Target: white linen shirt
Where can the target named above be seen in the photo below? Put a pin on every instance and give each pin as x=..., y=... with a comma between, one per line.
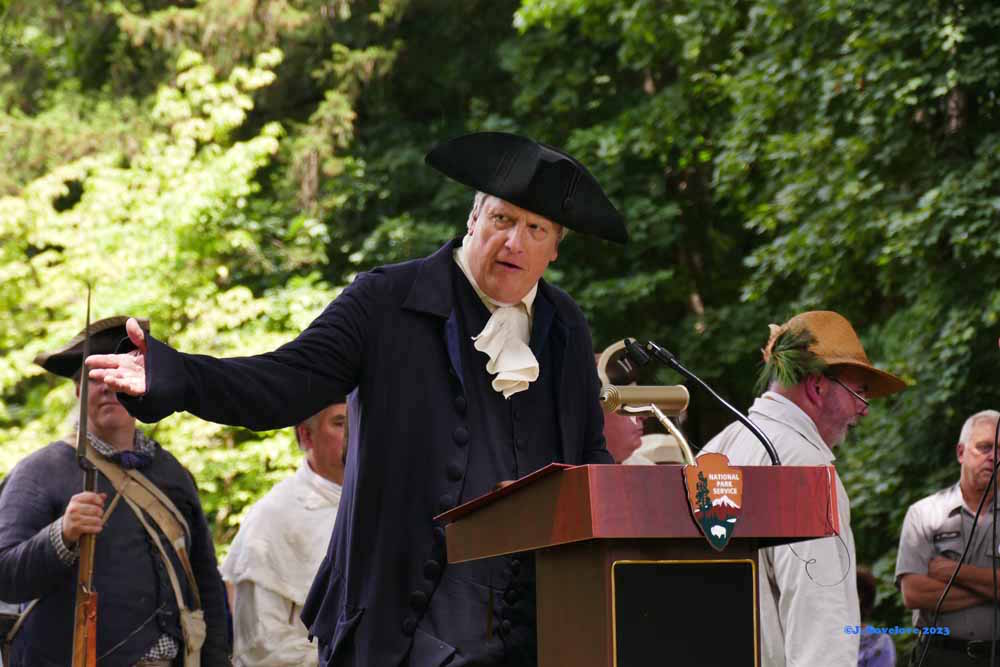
x=272, y=562
x=803, y=609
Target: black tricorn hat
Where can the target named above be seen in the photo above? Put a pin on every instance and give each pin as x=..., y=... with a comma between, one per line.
x=534, y=176
x=106, y=337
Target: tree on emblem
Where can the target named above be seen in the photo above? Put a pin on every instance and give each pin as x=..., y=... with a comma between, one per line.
x=704, y=500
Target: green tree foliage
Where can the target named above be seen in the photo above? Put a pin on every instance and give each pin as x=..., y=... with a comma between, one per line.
x=834, y=155
x=769, y=156
x=226, y=193
x=160, y=233
x=703, y=497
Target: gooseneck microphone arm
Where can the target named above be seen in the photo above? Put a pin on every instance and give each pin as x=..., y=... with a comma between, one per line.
x=639, y=356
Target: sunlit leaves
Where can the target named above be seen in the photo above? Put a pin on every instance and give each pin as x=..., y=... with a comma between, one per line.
x=156, y=237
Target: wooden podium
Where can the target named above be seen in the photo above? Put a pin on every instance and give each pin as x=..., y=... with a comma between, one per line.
x=624, y=577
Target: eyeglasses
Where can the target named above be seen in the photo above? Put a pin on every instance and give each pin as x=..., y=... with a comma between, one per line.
x=849, y=390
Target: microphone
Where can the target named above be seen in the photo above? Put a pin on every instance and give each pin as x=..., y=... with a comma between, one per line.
x=673, y=400
x=640, y=357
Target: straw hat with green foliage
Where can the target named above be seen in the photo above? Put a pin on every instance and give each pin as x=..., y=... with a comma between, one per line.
x=817, y=342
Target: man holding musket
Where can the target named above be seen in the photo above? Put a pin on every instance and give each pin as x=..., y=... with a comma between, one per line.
x=469, y=369
x=149, y=607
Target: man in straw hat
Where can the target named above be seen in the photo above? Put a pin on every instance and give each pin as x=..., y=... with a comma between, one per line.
x=470, y=370
x=818, y=382
x=43, y=513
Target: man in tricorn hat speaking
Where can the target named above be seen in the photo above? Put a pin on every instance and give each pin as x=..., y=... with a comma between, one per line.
x=470, y=370
x=44, y=512
x=818, y=383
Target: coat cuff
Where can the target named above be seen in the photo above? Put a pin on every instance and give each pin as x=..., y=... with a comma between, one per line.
x=165, y=384
x=66, y=554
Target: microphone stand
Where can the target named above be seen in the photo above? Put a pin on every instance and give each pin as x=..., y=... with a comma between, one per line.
x=640, y=357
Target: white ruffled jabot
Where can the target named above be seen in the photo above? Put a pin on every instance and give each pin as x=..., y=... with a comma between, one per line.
x=505, y=337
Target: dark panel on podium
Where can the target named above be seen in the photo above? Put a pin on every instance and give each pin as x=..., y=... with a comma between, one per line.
x=685, y=613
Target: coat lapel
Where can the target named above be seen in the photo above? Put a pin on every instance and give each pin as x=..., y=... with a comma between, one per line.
x=432, y=294
x=549, y=338
x=541, y=323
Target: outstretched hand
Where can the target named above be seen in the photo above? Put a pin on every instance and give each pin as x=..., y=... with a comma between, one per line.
x=122, y=372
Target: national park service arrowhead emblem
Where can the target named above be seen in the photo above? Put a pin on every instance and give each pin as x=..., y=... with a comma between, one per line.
x=715, y=494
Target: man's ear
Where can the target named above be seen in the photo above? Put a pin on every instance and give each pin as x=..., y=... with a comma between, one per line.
x=813, y=385
x=305, y=436
x=959, y=452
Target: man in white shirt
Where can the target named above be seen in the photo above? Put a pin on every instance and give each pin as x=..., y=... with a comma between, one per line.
x=280, y=545
x=622, y=432
x=818, y=382
x=656, y=449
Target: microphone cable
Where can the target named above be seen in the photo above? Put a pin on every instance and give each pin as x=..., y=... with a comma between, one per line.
x=640, y=357
x=993, y=550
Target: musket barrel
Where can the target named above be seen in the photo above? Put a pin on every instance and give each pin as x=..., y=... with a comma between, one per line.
x=85, y=611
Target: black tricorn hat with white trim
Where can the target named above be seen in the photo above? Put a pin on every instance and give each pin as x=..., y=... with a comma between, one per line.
x=534, y=176
x=107, y=336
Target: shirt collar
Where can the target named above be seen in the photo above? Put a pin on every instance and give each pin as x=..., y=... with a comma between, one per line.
x=776, y=407
x=141, y=443
x=491, y=304
x=323, y=487
x=955, y=503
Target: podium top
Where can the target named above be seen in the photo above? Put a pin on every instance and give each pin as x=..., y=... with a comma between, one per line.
x=560, y=504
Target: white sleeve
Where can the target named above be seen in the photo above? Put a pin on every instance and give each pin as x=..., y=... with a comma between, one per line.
x=268, y=631
x=818, y=598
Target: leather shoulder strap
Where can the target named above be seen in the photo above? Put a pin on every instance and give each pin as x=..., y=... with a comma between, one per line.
x=162, y=497
x=174, y=583
x=143, y=495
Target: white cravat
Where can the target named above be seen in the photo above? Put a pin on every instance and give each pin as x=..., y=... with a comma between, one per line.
x=505, y=337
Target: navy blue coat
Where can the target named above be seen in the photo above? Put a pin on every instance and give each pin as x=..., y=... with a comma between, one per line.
x=394, y=335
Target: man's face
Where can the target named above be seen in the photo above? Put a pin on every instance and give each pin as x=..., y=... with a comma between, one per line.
x=323, y=440
x=510, y=248
x=623, y=435
x=842, y=410
x=976, y=456
x=105, y=415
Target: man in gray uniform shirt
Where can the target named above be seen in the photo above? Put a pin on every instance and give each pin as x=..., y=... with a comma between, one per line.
x=935, y=531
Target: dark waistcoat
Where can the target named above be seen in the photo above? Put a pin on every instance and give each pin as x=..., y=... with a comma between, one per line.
x=518, y=435
x=487, y=607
